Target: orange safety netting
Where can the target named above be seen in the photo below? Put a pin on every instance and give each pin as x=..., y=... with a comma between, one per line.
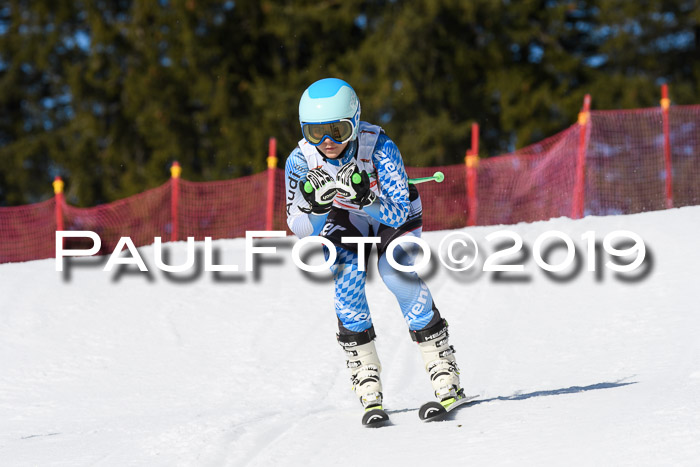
x=531, y=184
x=625, y=172
x=28, y=232
x=685, y=154
x=141, y=217
x=625, y=163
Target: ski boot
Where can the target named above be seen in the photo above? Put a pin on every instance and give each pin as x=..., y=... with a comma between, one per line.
x=439, y=359
x=364, y=368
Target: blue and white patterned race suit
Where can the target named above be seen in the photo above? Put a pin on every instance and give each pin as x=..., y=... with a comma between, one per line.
x=374, y=152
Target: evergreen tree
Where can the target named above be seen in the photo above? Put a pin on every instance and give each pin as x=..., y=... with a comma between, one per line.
x=107, y=93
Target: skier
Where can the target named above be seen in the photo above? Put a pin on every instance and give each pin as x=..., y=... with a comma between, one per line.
x=346, y=178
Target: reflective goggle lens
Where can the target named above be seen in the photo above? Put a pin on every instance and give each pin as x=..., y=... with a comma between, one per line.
x=339, y=132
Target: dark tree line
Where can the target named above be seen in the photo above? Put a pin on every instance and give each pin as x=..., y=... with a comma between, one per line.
x=107, y=93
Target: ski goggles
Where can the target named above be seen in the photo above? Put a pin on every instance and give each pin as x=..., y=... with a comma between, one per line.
x=339, y=131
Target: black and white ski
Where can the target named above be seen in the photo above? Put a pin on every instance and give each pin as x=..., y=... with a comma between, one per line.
x=375, y=417
x=433, y=410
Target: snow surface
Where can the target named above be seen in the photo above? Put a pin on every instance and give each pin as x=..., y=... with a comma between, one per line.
x=127, y=368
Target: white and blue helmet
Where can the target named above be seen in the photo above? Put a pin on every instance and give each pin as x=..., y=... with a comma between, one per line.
x=329, y=108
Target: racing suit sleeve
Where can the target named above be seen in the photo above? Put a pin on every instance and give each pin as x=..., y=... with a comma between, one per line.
x=392, y=206
x=299, y=222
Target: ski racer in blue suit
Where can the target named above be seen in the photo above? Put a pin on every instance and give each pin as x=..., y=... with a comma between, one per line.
x=346, y=178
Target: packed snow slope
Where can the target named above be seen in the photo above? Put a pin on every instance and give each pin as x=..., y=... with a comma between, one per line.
x=130, y=368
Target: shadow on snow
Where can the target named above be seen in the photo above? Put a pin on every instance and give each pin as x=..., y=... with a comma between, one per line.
x=555, y=392
x=530, y=395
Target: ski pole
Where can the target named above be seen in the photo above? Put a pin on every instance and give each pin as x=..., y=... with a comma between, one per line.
x=437, y=176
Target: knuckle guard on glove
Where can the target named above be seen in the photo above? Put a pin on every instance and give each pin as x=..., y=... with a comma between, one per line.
x=354, y=185
x=319, y=191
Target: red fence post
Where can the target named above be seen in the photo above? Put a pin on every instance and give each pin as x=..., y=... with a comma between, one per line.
x=58, y=202
x=665, y=104
x=472, y=162
x=271, y=166
x=175, y=172
x=580, y=183
x=58, y=191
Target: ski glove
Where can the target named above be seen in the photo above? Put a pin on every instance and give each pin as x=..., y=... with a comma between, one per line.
x=319, y=191
x=354, y=185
